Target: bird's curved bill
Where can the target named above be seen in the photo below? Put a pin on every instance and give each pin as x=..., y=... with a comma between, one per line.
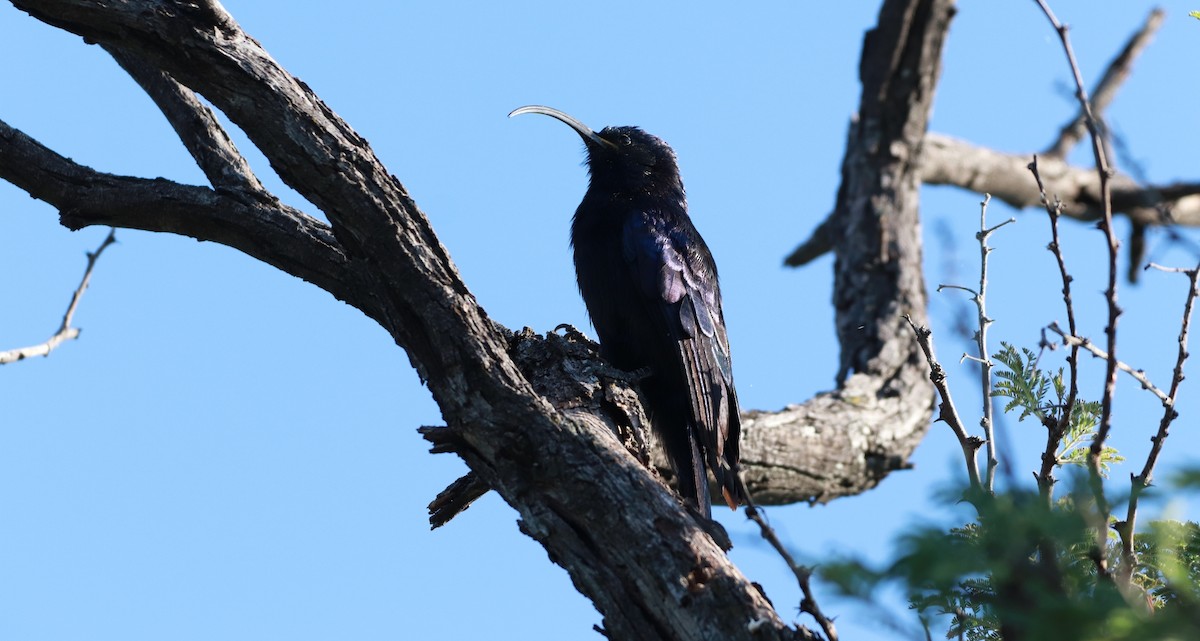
x=579, y=127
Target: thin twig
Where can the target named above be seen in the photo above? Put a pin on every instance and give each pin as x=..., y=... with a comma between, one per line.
x=1114, y=76
x=979, y=297
x=960, y=288
x=803, y=573
x=65, y=331
x=946, y=410
x=1103, y=509
x=1055, y=430
x=981, y=341
x=1139, y=483
x=1137, y=374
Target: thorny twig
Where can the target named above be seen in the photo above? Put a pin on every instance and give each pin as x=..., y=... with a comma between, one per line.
x=1139, y=483
x=65, y=331
x=1138, y=374
x=946, y=410
x=1114, y=75
x=1100, y=519
x=803, y=573
x=1056, y=430
x=979, y=297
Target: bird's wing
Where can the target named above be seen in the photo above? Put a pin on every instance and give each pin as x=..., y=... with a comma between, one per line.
x=677, y=280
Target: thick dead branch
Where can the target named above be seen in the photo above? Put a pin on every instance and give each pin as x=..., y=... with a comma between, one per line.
x=877, y=271
x=818, y=244
x=195, y=124
x=380, y=254
x=271, y=232
x=677, y=583
x=457, y=497
x=883, y=404
x=948, y=161
x=807, y=456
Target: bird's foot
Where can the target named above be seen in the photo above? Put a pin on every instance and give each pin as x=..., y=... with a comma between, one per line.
x=572, y=333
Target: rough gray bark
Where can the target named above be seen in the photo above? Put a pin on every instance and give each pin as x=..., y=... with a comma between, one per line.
x=948, y=161
x=550, y=448
x=957, y=163
x=884, y=402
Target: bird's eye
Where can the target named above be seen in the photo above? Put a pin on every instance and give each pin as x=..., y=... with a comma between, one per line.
x=626, y=140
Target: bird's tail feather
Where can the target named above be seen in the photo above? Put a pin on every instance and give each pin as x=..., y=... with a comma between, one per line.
x=730, y=482
x=693, y=479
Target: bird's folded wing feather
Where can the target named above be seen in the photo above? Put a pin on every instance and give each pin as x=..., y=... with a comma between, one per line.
x=677, y=281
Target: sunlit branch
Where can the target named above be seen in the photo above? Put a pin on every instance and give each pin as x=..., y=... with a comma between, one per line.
x=65, y=331
x=1110, y=381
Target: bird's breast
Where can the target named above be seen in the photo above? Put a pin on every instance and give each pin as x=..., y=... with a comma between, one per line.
x=608, y=289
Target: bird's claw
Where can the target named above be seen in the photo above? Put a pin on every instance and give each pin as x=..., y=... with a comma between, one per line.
x=572, y=333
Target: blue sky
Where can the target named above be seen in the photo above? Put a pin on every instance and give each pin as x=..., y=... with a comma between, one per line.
x=228, y=452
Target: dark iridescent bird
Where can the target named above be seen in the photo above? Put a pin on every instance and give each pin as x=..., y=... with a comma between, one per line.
x=650, y=286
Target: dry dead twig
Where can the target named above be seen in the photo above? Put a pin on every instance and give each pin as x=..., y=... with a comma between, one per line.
x=65, y=331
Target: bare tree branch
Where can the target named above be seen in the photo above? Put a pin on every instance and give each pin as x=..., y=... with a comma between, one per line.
x=65, y=331
x=883, y=403
x=1056, y=430
x=1110, y=296
x=1127, y=529
x=1138, y=375
x=196, y=125
x=947, y=412
x=949, y=161
x=273, y=233
x=819, y=243
x=380, y=254
x=802, y=573
x=979, y=297
x=1114, y=76
x=677, y=583
x=789, y=456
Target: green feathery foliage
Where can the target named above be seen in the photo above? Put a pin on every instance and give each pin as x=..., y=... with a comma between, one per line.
x=1026, y=387
x=1026, y=566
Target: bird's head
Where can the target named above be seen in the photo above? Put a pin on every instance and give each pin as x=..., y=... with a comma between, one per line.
x=622, y=158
